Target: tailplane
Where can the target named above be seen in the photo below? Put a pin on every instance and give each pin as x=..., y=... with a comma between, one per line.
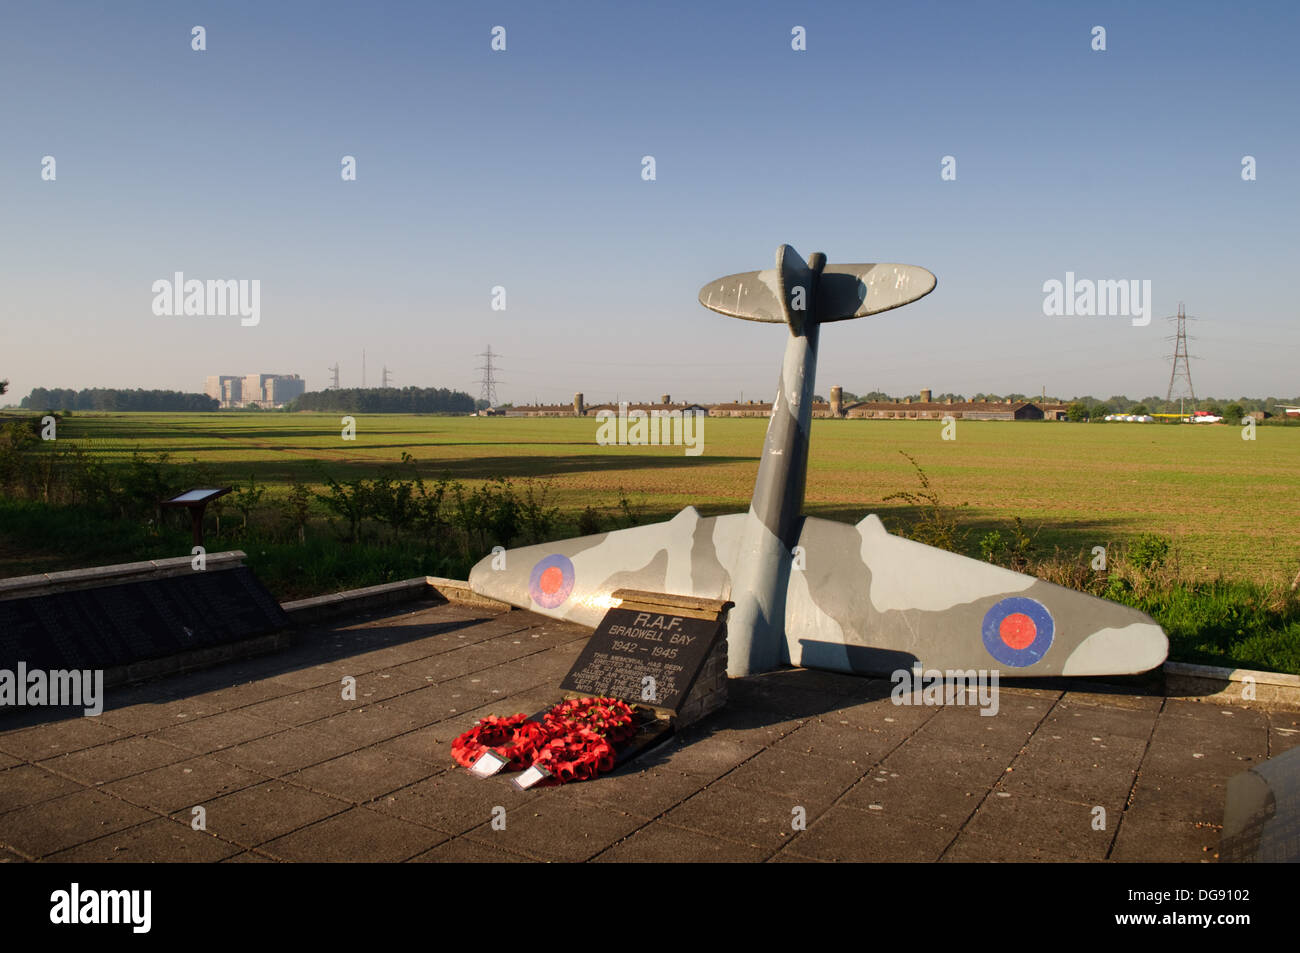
x=839, y=293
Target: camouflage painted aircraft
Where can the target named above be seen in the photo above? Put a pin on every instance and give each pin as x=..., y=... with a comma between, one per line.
x=815, y=592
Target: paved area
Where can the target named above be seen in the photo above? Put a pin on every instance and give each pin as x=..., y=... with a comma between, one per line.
x=285, y=769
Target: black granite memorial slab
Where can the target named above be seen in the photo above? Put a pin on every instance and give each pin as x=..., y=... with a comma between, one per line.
x=109, y=626
x=631, y=645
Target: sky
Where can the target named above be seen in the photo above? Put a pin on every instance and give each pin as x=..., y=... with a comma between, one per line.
x=523, y=169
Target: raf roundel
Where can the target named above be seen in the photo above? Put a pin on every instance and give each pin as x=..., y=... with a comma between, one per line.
x=551, y=581
x=1018, y=631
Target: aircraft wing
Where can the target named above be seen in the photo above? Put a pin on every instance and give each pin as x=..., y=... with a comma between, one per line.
x=867, y=601
x=572, y=579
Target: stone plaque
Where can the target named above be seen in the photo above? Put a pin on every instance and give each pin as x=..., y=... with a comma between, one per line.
x=631, y=645
x=115, y=625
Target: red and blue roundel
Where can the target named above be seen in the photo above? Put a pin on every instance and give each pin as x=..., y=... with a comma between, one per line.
x=1018, y=631
x=551, y=581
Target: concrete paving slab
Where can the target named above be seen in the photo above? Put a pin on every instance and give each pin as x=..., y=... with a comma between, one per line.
x=51, y=826
x=166, y=712
x=355, y=835
x=289, y=751
x=28, y=784
x=265, y=811
x=849, y=744
x=813, y=781
x=224, y=730
x=363, y=775
x=647, y=793
x=58, y=737
x=1090, y=721
x=183, y=784
x=557, y=831
x=117, y=759
x=758, y=818
x=916, y=795
x=1061, y=828
x=158, y=841
x=1181, y=797
x=847, y=834
x=276, y=756
x=695, y=751
x=949, y=764
x=304, y=707
x=460, y=850
x=977, y=848
x=662, y=843
x=1149, y=837
x=1283, y=732
x=454, y=801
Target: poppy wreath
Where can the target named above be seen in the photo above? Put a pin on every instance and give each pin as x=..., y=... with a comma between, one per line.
x=612, y=719
x=577, y=755
x=514, y=738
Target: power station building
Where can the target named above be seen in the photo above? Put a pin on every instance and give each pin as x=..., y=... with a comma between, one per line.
x=255, y=390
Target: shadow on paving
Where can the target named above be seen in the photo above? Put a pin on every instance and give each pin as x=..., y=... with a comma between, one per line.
x=312, y=646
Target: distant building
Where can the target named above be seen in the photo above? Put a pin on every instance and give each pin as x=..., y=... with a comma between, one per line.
x=750, y=408
x=255, y=390
x=1055, y=411
x=960, y=410
x=834, y=408
x=225, y=388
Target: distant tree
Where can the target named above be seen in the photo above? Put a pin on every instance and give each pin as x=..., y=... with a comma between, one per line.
x=387, y=400
x=1139, y=410
x=109, y=398
x=1214, y=409
x=4, y=386
x=1076, y=412
x=1100, y=411
x=1233, y=413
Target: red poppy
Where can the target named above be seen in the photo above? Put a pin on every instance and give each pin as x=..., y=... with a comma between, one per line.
x=514, y=738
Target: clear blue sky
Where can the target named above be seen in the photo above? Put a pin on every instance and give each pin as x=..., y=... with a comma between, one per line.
x=523, y=169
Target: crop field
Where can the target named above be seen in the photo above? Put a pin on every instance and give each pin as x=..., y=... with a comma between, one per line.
x=1228, y=504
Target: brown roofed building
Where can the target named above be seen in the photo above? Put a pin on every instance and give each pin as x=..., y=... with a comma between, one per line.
x=932, y=410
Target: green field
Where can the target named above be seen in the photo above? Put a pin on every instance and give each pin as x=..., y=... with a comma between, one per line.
x=1228, y=504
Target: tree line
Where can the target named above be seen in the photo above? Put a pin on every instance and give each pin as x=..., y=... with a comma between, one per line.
x=113, y=398
x=387, y=400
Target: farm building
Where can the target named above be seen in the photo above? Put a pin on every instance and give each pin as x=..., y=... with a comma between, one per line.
x=750, y=408
x=933, y=410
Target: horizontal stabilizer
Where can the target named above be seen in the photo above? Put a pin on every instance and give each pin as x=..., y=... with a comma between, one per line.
x=855, y=291
x=843, y=292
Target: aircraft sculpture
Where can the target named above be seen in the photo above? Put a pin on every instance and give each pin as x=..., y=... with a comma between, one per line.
x=814, y=592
